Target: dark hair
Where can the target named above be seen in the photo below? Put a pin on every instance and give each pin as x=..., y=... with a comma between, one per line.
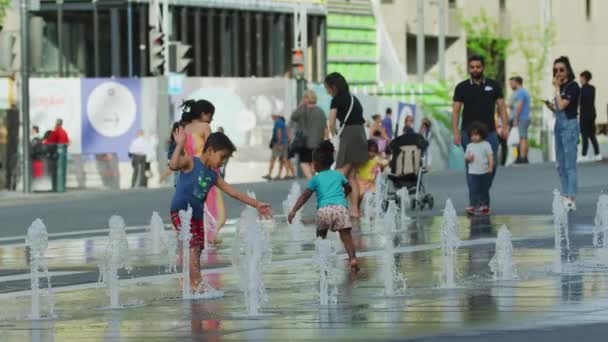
x=337, y=81
x=476, y=58
x=175, y=126
x=565, y=61
x=517, y=79
x=218, y=141
x=586, y=74
x=479, y=128
x=47, y=135
x=192, y=109
x=36, y=128
x=389, y=110
x=426, y=122
x=372, y=146
x=376, y=117
x=324, y=154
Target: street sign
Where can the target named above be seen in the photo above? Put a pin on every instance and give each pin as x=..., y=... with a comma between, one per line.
x=176, y=84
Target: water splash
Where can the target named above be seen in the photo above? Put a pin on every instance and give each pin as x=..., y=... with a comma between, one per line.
x=251, y=254
x=296, y=226
x=326, y=260
x=449, y=244
x=368, y=208
x=404, y=203
x=380, y=197
x=38, y=241
x=156, y=234
x=185, y=235
x=502, y=264
x=600, y=229
x=394, y=282
x=560, y=227
x=115, y=256
x=170, y=251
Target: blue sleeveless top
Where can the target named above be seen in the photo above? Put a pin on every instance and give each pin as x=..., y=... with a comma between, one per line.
x=192, y=188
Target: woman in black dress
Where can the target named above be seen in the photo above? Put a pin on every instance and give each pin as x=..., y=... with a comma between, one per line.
x=352, y=151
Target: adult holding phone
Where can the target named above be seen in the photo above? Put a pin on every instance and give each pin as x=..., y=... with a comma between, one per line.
x=566, y=129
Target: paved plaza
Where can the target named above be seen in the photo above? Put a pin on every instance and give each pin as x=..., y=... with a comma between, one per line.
x=539, y=306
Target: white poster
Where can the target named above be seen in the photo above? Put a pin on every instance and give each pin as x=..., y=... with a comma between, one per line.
x=243, y=108
x=52, y=99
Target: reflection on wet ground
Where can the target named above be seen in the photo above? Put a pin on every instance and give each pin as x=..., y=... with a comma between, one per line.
x=537, y=299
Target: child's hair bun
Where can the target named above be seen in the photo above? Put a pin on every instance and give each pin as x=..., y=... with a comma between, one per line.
x=327, y=146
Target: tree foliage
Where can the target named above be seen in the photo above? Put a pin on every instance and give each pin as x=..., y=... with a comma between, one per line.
x=534, y=43
x=484, y=38
x=4, y=5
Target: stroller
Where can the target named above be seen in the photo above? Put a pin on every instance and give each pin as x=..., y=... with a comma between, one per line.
x=408, y=153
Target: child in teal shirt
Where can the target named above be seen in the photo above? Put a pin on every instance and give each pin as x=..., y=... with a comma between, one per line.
x=331, y=188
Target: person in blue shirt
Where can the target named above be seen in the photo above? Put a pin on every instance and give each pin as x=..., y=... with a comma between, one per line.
x=387, y=123
x=331, y=188
x=279, y=144
x=197, y=175
x=520, y=114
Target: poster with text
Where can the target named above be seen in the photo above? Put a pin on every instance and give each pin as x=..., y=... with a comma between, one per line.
x=110, y=115
x=57, y=98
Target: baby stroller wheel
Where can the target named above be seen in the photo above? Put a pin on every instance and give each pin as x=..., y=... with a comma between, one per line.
x=431, y=202
x=421, y=205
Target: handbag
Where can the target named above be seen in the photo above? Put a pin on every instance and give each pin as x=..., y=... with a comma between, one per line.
x=335, y=139
x=513, y=139
x=299, y=141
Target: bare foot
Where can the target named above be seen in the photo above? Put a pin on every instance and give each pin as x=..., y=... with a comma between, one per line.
x=354, y=265
x=355, y=214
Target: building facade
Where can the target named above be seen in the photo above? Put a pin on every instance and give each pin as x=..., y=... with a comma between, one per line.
x=579, y=34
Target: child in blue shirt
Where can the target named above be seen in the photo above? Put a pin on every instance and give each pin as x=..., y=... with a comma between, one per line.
x=331, y=188
x=196, y=177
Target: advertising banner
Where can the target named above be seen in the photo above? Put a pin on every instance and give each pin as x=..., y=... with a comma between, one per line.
x=110, y=115
x=57, y=98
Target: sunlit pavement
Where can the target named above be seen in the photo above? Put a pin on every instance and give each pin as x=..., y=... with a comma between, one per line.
x=479, y=308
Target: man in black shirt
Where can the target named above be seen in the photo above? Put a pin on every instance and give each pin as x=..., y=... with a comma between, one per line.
x=479, y=96
x=588, y=114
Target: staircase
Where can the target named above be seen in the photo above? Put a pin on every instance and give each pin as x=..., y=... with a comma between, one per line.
x=352, y=41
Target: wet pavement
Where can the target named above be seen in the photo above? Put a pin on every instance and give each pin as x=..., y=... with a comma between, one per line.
x=479, y=308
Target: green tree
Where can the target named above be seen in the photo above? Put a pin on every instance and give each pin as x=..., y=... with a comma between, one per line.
x=483, y=38
x=534, y=43
x=4, y=5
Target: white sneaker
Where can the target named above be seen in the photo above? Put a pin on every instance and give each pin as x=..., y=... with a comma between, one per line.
x=597, y=157
x=569, y=204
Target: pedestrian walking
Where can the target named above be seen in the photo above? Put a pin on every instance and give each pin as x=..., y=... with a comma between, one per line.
x=480, y=160
x=279, y=146
x=387, y=123
x=566, y=129
x=352, y=148
x=478, y=97
x=520, y=113
x=588, y=115
x=311, y=130
x=139, y=152
x=59, y=135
